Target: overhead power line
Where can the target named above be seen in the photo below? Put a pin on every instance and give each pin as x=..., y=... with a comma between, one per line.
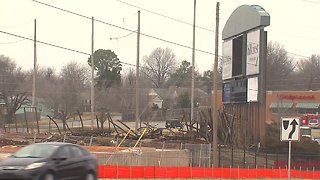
x=56, y=46
x=133, y=31
x=117, y=38
x=18, y=25
x=119, y=27
x=41, y=42
x=168, y=17
x=183, y=22
x=309, y=1
x=13, y=42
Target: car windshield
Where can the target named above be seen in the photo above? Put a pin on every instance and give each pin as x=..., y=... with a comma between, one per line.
x=36, y=151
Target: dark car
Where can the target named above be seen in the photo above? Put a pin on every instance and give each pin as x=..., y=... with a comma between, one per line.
x=174, y=123
x=50, y=161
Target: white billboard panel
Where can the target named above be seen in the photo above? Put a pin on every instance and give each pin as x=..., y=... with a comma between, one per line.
x=253, y=52
x=227, y=59
x=252, y=92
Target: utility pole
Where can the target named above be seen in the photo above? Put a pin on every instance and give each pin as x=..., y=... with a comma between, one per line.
x=34, y=65
x=33, y=103
x=193, y=59
x=215, y=93
x=92, y=76
x=137, y=75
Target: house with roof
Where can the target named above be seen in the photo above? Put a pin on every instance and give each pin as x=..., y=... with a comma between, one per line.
x=168, y=97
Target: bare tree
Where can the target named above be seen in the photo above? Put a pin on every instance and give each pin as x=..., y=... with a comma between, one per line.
x=14, y=91
x=159, y=65
x=48, y=88
x=72, y=81
x=280, y=65
x=309, y=72
x=102, y=116
x=129, y=78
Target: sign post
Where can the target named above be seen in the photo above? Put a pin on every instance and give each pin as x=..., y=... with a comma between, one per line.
x=289, y=161
x=290, y=131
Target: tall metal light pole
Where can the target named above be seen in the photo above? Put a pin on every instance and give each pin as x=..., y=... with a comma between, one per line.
x=193, y=59
x=34, y=65
x=137, y=76
x=92, y=75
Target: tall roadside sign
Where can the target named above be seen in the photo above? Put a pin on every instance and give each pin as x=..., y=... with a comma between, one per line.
x=290, y=131
x=244, y=64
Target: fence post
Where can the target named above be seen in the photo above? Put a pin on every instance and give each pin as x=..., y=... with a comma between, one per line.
x=266, y=160
x=25, y=118
x=117, y=173
x=15, y=124
x=4, y=127
x=244, y=157
x=279, y=171
x=219, y=148
x=313, y=172
x=49, y=126
x=255, y=159
x=166, y=172
x=64, y=138
x=38, y=128
x=34, y=137
x=144, y=171
x=91, y=140
x=232, y=156
x=313, y=163
x=200, y=156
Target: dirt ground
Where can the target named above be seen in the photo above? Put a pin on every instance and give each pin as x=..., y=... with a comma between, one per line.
x=11, y=142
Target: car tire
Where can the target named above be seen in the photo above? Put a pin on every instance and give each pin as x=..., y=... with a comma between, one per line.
x=48, y=176
x=90, y=176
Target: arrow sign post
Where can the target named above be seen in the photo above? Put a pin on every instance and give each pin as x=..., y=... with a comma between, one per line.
x=290, y=131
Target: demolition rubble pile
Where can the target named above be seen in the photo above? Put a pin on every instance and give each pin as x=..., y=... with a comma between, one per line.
x=119, y=132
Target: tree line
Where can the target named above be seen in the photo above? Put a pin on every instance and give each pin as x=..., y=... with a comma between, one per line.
x=64, y=91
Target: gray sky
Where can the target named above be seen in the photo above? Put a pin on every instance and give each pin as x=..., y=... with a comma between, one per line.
x=294, y=23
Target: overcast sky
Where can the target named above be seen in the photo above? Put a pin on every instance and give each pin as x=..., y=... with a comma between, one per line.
x=294, y=23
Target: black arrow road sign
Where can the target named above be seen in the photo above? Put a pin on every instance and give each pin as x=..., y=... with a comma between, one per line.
x=290, y=129
x=293, y=124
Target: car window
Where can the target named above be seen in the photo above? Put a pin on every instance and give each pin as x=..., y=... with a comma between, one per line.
x=36, y=150
x=64, y=152
x=76, y=151
x=85, y=152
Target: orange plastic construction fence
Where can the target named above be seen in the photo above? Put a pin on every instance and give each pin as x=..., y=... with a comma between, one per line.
x=194, y=172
